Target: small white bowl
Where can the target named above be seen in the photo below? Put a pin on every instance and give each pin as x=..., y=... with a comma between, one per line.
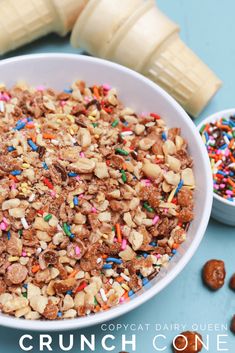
x=222, y=209
x=59, y=71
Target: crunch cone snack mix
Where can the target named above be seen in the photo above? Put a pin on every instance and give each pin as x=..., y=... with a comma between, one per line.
x=94, y=200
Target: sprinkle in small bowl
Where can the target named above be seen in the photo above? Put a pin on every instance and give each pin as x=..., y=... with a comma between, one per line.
x=218, y=134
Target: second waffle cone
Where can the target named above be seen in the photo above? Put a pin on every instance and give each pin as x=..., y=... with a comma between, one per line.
x=141, y=37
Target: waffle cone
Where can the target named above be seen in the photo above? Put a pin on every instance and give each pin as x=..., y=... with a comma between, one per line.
x=21, y=24
x=97, y=38
x=182, y=74
x=136, y=34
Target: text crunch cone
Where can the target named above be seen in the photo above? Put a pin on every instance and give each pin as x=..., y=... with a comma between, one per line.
x=25, y=20
x=136, y=34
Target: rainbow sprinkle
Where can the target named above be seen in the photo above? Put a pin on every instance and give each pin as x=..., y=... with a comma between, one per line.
x=219, y=138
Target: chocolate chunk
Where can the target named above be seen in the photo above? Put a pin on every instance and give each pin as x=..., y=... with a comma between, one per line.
x=188, y=342
x=61, y=170
x=41, y=151
x=213, y=274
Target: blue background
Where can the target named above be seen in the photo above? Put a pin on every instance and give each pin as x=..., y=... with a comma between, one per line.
x=208, y=28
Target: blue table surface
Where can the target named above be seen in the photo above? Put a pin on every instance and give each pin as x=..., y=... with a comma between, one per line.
x=208, y=27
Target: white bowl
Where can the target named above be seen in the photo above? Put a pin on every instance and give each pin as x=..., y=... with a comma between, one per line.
x=58, y=71
x=222, y=209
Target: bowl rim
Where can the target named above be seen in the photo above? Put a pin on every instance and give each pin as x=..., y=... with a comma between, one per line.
x=211, y=118
x=98, y=318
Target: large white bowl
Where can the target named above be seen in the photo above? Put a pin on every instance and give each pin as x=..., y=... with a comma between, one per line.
x=222, y=209
x=58, y=71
